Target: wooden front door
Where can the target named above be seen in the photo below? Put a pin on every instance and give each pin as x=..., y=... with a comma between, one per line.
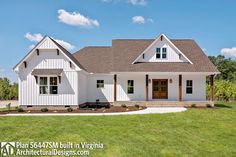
x=160, y=88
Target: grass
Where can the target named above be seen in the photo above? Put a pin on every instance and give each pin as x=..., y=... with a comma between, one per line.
x=195, y=132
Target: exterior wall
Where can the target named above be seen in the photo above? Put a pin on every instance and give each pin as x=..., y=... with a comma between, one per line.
x=82, y=87
x=172, y=55
x=29, y=90
x=105, y=94
x=199, y=88
x=139, y=87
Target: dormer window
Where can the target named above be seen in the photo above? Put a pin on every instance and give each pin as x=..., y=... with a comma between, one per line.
x=164, y=52
x=158, y=53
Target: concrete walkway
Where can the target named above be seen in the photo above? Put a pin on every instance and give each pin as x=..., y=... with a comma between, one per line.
x=149, y=110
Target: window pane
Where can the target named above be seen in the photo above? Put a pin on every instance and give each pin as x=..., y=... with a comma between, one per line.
x=53, y=89
x=158, y=49
x=100, y=83
x=164, y=55
x=53, y=80
x=189, y=83
x=43, y=89
x=130, y=90
x=130, y=86
x=43, y=81
x=189, y=90
x=158, y=55
x=163, y=49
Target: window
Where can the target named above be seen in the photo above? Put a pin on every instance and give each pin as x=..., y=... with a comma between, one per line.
x=189, y=86
x=164, y=52
x=48, y=85
x=158, y=53
x=130, y=86
x=43, y=85
x=53, y=85
x=100, y=83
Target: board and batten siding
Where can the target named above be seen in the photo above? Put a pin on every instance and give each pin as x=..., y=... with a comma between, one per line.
x=48, y=59
x=172, y=54
x=105, y=94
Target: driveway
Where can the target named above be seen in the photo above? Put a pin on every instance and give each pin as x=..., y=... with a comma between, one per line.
x=149, y=110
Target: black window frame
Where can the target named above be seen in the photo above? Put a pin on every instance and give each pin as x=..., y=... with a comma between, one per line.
x=189, y=86
x=130, y=86
x=100, y=83
x=164, y=53
x=158, y=53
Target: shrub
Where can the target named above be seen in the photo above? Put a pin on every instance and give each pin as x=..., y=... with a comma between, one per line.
x=44, y=109
x=208, y=105
x=123, y=105
x=8, y=106
x=20, y=109
x=69, y=109
x=137, y=105
x=193, y=105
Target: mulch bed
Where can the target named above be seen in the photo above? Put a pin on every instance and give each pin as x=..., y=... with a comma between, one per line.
x=89, y=110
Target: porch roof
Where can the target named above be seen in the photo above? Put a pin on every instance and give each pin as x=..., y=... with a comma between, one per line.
x=37, y=72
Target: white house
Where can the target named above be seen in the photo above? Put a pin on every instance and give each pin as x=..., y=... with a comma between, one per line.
x=150, y=71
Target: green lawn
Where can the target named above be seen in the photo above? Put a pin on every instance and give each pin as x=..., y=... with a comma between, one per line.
x=195, y=132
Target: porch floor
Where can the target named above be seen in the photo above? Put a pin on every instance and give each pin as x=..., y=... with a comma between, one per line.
x=153, y=103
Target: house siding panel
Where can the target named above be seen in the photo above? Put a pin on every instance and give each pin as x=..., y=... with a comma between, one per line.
x=67, y=90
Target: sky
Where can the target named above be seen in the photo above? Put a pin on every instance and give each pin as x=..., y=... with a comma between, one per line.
x=79, y=23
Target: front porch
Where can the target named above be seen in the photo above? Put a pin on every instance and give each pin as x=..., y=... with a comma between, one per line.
x=167, y=103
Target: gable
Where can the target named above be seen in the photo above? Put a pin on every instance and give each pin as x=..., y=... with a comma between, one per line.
x=49, y=52
x=162, y=50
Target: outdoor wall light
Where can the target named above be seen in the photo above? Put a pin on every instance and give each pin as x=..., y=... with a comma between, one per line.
x=149, y=80
x=170, y=80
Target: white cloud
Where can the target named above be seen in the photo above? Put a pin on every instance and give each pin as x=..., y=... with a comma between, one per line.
x=229, y=52
x=138, y=19
x=37, y=37
x=141, y=20
x=138, y=2
x=65, y=44
x=76, y=19
x=33, y=37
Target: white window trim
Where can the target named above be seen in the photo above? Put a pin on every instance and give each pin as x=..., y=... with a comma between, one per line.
x=48, y=84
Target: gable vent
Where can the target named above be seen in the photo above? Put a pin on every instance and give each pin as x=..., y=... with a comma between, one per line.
x=37, y=50
x=57, y=52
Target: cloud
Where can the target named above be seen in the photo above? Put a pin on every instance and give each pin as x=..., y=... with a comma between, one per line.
x=138, y=19
x=2, y=70
x=133, y=2
x=138, y=2
x=76, y=19
x=65, y=44
x=229, y=52
x=37, y=37
x=141, y=20
x=33, y=37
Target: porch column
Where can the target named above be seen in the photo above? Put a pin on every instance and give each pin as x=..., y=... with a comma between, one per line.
x=212, y=87
x=115, y=82
x=180, y=87
x=147, y=87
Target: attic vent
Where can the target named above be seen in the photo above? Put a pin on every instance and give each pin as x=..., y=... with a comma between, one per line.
x=143, y=56
x=57, y=52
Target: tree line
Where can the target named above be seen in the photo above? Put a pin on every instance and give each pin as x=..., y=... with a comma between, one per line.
x=8, y=91
x=225, y=82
